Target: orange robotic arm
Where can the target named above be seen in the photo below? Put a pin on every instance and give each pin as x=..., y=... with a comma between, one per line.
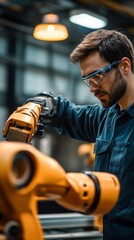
x=31, y=118
x=23, y=123
x=86, y=150
x=26, y=174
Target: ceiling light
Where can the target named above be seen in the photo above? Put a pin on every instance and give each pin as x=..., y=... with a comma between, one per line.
x=87, y=19
x=50, y=29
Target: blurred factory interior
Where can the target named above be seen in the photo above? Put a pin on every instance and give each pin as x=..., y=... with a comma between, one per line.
x=29, y=66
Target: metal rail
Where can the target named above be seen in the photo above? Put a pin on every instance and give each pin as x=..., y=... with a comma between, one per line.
x=93, y=235
x=65, y=220
x=69, y=226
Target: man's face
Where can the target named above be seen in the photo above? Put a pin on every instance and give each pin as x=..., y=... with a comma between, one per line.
x=111, y=88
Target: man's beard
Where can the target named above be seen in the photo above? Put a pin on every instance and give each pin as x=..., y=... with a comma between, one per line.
x=117, y=91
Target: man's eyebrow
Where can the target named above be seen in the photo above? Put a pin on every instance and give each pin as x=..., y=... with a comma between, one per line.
x=92, y=72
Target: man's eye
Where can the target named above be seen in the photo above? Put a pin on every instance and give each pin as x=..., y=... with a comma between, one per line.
x=98, y=77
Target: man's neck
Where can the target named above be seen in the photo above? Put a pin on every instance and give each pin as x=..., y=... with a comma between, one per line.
x=127, y=99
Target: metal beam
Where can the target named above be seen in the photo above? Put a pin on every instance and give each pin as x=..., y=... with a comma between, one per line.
x=112, y=5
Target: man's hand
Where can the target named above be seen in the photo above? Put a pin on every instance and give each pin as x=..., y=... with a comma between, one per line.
x=49, y=109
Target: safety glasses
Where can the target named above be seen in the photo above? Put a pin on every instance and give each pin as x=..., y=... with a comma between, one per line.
x=97, y=77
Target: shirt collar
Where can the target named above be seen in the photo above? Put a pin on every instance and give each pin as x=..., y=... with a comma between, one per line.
x=129, y=110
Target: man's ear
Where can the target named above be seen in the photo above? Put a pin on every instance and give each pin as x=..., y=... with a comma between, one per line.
x=125, y=65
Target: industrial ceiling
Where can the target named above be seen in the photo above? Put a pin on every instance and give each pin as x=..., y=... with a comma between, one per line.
x=23, y=15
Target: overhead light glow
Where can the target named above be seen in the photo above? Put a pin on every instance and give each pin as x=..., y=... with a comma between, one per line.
x=50, y=29
x=52, y=32
x=88, y=20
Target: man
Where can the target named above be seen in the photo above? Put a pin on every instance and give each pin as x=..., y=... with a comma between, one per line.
x=106, y=61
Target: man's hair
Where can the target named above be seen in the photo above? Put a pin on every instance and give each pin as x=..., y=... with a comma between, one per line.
x=112, y=45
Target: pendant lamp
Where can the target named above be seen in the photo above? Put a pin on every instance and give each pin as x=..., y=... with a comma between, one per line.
x=50, y=29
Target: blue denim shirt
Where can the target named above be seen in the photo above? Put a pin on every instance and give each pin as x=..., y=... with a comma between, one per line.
x=112, y=130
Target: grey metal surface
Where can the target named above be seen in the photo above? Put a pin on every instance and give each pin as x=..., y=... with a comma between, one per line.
x=67, y=220
x=69, y=226
x=91, y=235
x=17, y=136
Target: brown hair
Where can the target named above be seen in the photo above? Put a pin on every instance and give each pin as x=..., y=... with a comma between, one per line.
x=111, y=45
